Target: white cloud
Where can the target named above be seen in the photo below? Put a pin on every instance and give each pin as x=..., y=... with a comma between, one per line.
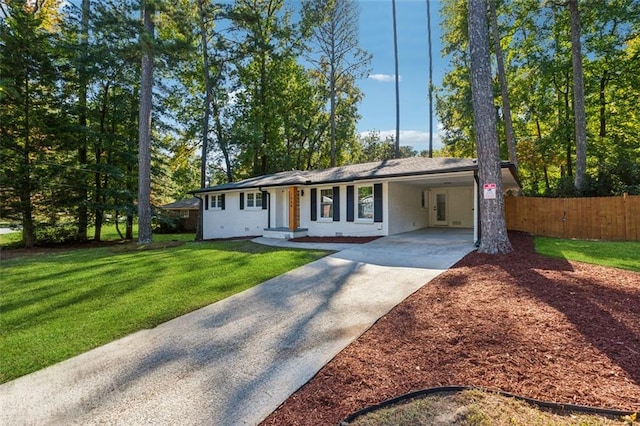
x=417, y=139
x=384, y=78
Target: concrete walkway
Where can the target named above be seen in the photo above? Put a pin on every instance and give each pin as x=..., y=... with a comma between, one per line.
x=235, y=361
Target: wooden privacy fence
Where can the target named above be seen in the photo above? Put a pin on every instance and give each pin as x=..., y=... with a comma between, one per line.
x=600, y=218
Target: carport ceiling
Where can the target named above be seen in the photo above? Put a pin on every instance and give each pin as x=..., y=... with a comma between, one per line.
x=464, y=178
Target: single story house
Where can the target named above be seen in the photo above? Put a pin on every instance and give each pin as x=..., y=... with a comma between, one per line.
x=371, y=199
x=185, y=211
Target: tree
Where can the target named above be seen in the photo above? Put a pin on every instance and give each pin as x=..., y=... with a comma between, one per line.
x=268, y=42
x=396, y=77
x=373, y=148
x=144, y=125
x=506, y=107
x=341, y=58
x=30, y=113
x=453, y=102
x=204, y=34
x=430, y=47
x=494, y=238
x=578, y=98
x=83, y=84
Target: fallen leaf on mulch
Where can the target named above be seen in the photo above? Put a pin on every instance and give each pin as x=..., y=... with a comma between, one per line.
x=540, y=327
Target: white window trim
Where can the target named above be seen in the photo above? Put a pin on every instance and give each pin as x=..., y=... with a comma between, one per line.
x=356, y=200
x=217, y=205
x=320, y=217
x=256, y=195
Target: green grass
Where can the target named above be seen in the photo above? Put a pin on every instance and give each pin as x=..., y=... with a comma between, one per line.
x=59, y=304
x=10, y=239
x=616, y=254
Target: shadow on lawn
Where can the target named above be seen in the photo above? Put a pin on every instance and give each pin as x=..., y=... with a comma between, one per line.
x=597, y=307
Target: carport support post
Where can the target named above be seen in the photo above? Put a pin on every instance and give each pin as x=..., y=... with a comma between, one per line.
x=476, y=209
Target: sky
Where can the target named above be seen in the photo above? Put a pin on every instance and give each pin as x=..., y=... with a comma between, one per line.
x=376, y=36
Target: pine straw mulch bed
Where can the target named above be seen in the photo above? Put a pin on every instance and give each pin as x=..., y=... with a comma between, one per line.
x=540, y=327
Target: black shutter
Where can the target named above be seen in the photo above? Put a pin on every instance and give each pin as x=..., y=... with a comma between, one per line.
x=264, y=200
x=377, y=202
x=242, y=201
x=350, y=203
x=206, y=202
x=222, y=201
x=314, y=204
x=336, y=204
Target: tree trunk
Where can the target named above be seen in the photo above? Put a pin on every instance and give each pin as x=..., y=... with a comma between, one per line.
x=494, y=238
x=430, y=79
x=144, y=128
x=332, y=112
x=26, y=206
x=578, y=99
x=506, y=107
x=83, y=216
x=207, y=113
x=397, y=79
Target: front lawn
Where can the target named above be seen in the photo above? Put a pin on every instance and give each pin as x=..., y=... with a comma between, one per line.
x=59, y=304
x=617, y=254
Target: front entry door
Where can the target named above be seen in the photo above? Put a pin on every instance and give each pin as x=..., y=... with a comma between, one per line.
x=439, y=208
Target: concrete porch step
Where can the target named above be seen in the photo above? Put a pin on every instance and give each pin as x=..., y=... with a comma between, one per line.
x=284, y=233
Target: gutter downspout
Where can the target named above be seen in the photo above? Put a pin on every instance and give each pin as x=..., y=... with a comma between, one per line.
x=268, y=206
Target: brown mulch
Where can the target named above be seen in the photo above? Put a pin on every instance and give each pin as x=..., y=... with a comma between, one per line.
x=540, y=327
x=345, y=239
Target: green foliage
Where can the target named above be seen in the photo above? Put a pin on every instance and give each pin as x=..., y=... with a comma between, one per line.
x=56, y=234
x=537, y=49
x=57, y=305
x=373, y=148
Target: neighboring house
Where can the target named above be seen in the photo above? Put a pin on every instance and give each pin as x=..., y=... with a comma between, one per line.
x=185, y=211
x=371, y=199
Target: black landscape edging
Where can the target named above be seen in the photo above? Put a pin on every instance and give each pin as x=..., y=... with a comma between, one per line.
x=455, y=389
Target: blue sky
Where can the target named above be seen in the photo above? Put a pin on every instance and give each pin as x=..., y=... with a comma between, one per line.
x=376, y=36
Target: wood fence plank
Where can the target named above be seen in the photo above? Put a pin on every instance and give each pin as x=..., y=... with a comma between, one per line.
x=608, y=218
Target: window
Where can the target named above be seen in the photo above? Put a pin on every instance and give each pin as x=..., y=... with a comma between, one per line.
x=365, y=202
x=216, y=201
x=254, y=200
x=326, y=203
x=184, y=214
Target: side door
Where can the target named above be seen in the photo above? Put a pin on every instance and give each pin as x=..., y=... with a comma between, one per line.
x=439, y=207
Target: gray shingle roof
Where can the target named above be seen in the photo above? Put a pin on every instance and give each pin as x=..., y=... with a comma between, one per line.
x=414, y=166
x=191, y=203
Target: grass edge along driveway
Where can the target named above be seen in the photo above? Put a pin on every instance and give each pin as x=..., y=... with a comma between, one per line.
x=57, y=305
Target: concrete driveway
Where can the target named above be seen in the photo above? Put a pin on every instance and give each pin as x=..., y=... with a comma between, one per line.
x=235, y=361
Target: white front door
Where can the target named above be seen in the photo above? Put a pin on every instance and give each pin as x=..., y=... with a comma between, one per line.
x=439, y=207
x=282, y=208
